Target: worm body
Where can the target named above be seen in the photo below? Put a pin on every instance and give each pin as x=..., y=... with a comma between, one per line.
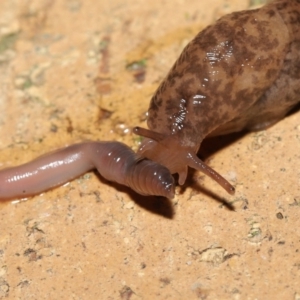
x=113, y=160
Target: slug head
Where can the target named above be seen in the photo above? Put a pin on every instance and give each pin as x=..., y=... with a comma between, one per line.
x=169, y=152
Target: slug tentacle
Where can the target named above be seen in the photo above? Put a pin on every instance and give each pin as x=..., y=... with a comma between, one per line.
x=196, y=163
x=166, y=150
x=114, y=161
x=156, y=136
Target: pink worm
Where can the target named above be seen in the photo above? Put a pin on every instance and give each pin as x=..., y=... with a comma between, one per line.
x=114, y=161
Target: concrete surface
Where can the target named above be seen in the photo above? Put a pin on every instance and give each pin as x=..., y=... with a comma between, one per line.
x=73, y=70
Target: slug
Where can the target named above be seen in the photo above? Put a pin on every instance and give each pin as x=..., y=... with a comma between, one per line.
x=241, y=73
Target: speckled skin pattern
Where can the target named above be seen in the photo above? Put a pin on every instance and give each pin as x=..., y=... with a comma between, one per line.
x=241, y=73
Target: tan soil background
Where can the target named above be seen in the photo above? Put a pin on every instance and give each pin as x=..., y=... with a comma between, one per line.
x=73, y=70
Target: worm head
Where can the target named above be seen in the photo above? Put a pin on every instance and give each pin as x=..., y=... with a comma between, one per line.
x=147, y=177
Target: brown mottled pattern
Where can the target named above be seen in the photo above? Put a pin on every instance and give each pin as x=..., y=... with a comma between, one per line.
x=242, y=72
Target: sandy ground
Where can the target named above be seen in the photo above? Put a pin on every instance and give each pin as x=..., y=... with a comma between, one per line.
x=73, y=70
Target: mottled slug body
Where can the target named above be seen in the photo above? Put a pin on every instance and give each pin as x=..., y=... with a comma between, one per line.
x=242, y=73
